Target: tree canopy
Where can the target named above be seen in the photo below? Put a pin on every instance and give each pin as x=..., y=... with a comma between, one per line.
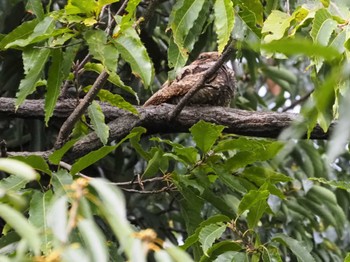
x=88, y=174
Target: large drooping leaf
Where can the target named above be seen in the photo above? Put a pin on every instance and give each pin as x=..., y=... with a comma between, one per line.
x=177, y=58
x=34, y=61
x=21, y=225
x=59, y=70
x=205, y=134
x=94, y=240
x=98, y=121
x=114, y=211
x=134, y=52
x=224, y=21
x=184, y=14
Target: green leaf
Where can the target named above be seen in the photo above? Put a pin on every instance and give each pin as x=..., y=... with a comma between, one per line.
x=209, y=234
x=295, y=246
x=260, y=175
x=36, y=162
x=96, y=155
x=184, y=14
x=252, y=198
x=178, y=255
x=276, y=25
x=248, y=18
x=256, y=8
x=224, y=21
x=13, y=183
x=212, y=220
x=301, y=46
x=134, y=52
x=21, y=32
x=20, y=224
x=114, y=211
x=94, y=240
x=38, y=210
x=116, y=100
x=42, y=31
x=57, y=218
x=176, y=58
x=154, y=163
x=54, y=82
x=98, y=122
x=57, y=155
x=220, y=248
x=37, y=8
x=113, y=78
x=128, y=18
x=321, y=16
x=205, y=134
x=87, y=7
x=60, y=182
x=34, y=61
x=18, y=168
x=101, y=50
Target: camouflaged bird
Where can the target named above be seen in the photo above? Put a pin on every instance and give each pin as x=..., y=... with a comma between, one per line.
x=217, y=91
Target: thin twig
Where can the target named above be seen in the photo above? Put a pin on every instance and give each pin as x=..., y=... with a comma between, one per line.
x=164, y=189
x=68, y=125
x=207, y=75
x=297, y=102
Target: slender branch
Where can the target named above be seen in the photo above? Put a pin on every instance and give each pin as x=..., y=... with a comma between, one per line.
x=68, y=125
x=200, y=83
x=297, y=102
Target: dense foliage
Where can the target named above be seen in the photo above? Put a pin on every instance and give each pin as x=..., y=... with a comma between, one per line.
x=205, y=195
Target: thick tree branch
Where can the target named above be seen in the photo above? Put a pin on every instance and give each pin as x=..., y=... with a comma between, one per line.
x=155, y=120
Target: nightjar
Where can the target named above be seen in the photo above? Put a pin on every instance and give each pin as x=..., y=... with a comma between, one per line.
x=217, y=91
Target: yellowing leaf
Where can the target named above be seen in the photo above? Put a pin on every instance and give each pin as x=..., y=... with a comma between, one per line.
x=224, y=21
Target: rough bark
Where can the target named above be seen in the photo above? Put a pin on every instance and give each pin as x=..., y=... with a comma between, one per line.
x=156, y=120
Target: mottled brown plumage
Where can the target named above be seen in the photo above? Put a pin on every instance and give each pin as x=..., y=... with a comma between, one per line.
x=218, y=90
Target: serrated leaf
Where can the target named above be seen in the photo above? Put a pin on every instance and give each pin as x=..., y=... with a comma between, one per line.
x=209, y=234
x=127, y=19
x=256, y=212
x=94, y=240
x=96, y=155
x=224, y=22
x=134, y=52
x=87, y=7
x=116, y=100
x=205, y=134
x=113, y=78
x=36, y=162
x=60, y=182
x=98, y=121
x=251, y=198
x=18, y=168
x=34, y=61
x=184, y=14
x=43, y=30
x=176, y=58
x=248, y=18
x=275, y=26
x=335, y=183
x=106, y=53
x=256, y=8
x=154, y=164
x=59, y=70
x=20, y=224
x=21, y=32
x=295, y=246
x=320, y=17
x=212, y=220
x=13, y=183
